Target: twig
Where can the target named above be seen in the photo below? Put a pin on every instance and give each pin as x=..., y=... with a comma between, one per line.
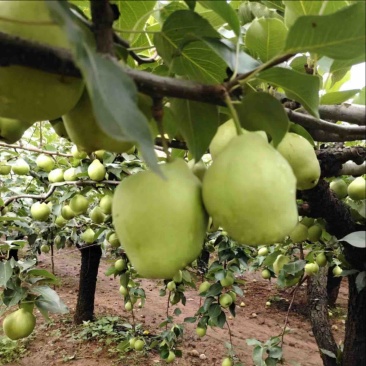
x=28, y=148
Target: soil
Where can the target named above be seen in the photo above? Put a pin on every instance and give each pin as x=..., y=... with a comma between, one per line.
x=53, y=343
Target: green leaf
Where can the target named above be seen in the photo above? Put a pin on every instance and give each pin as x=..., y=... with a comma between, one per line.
x=275, y=352
x=49, y=300
x=6, y=272
x=253, y=342
x=271, y=119
x=112, y=92
x=191, y=4
x=214, y=290
x=214, y=311
x=177, y=45
x=338, y=97
x=226, y=12
x=301, y=87
x=241, y=61
x=328, y=353
x=294, y=267
x=197, y=123
x=134, y=15
x=295, y=9
x=266, y=37
x=324, y=35
x=190, y=319
x=43, y=273
x=361, y=281
x=356, y=239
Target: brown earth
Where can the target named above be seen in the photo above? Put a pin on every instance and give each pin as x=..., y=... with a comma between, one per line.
x=53, y=343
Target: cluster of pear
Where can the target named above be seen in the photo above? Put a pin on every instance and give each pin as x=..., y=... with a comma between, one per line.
x=30, y=95
x=356, y=190
x=249, y=190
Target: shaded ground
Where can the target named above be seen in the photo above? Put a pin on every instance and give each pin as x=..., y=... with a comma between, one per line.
x=53, y=343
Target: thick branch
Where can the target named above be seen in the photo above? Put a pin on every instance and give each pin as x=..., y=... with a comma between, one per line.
x=332, y=159
x=350, y=113
x=350, y=168
x=332, y=130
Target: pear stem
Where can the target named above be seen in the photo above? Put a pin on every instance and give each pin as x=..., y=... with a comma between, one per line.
x=234, y=115
x=157, y=112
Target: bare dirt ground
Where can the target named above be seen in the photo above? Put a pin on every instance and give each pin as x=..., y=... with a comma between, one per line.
x=53, y=344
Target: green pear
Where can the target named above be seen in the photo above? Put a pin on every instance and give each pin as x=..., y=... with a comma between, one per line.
x=96, y=170
x=204, y=286
x=4, y=168
x=45, y=162
x=56, y=175
x=88, y=236
x=225, y=133
x=357, y=189
x=59, y=127
x=339, y=187
x=301, y=156
x=321, y=259
x=40, y=211
x=85, y=132
x=77, y=153
x=120, y=265
x=60, y=221
x=299, y=233
x=79, y=204
x=22, y=89
x=278, y=264
x=311, y=269
x=19, y=324
x=12, y=130
x=266, y=274
x=178, y=277
x=307, y=221
x=161, y=222
x=246, y=179
x=21, y=167
x=97, y=215
x=70, y=175
x=315, y=233
x=105, y=204
x=67, y=213
x=263, y=251
x=113, y=240
x=99, y=154
x=225, y=300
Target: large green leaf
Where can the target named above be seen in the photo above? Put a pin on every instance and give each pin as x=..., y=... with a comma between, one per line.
x=261, y=111
x=195, y=60
x=134, y=15
x=338, y=97
x=5, y=273
x=266, y=37
x=226, y=12
x=241, y=61
x=301, y=87
x=340, y=35
x=112, y=92
x=295, y=9
x=197, y=123
x=356, y=239
x=49, y=300
x=360, y=98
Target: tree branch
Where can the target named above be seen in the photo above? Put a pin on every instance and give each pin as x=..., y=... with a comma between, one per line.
x=335, y=132
x=332, y=159
x=351, y=113
x=29, y=148
x=350, y=168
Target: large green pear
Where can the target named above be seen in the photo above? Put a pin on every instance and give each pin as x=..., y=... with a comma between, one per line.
x=161, y=222
x=224, y=134
x=301, y=156
x=12, y=130
x=29, y=94
x=357, y=189
x=85, y=132
x=19, y=324
x=21, y=167
x=250, y=191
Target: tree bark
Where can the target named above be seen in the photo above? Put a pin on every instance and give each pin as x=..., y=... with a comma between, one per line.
x=317, y=302
x=323, y=203
x=333, y=286
x=90, y=258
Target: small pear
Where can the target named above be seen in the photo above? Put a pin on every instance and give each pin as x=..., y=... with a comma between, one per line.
x=88, y=236
x=357, y=189
x=97, y=215
x=339, y=187
x=105, y=204
x=79, y=204
x=21, y=167
x=45, y=162
x=67, y=213
x=56, y=175
x=70, y=175
x=96, y=170
x=12, y=130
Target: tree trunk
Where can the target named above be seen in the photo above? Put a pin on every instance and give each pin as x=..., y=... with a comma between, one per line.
x=90, y=258
x=318, y=311
x=333, y=286
x=202, y=261
x=323, y=203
